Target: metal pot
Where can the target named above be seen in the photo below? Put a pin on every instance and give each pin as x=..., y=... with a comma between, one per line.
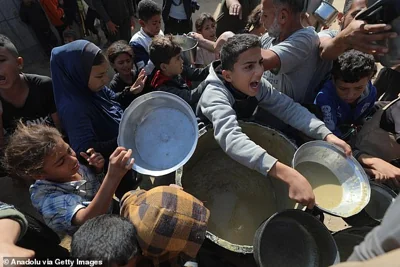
x=189, y=48
x=348, y=238
x=326, y=13
x=161, y=129
x=381, y=199
x=349, y=173
x=239, y=199
x=291, y=231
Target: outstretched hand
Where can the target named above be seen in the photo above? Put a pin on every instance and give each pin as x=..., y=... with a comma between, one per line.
x=331, y=138
x=94, y=159
x=138, y=86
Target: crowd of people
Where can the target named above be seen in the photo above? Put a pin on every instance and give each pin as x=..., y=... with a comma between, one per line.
x=63, y=172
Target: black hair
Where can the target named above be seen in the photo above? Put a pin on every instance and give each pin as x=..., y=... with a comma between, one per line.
x=69, y=33
x=99, y=59
x=7, y=44
x=352, y=66
x=162, y=49
x=201, y=20
x=296, y=6
x=147, y=9
x=108, y=238
x=235, y=46
x=117, y=48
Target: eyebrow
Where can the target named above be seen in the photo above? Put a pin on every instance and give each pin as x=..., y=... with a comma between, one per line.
x=101, y=74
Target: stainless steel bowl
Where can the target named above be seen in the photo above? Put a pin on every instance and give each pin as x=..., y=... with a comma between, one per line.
x=161, y=129
x=189, y=48
x=351, y=176
x=326, y=13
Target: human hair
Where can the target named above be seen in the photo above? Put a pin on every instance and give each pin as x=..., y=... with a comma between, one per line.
x=162, y=49
x=99, y=59
x=108, y=238
x=202, y=20
x=27, y=148
x=296, y=6
x=7, y=44
x=347, y=6
x=352, y=66
x=254, y=19
x=117, y=48
x=235, y=46
x=147, y=9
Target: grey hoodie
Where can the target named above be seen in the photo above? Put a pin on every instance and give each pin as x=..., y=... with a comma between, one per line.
x=216, y=104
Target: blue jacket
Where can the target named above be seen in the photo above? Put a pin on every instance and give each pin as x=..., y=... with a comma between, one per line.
x=336, y=112
x=89, y=119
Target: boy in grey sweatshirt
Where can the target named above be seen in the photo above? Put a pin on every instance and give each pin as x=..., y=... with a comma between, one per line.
x=234, y=89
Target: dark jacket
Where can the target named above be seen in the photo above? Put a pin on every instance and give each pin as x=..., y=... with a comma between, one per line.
x=115, y=10
x=34, y=16
x=167, y=7
x=180, y=84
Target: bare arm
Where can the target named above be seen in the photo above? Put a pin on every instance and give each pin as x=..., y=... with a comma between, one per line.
x=270, y=60
x=357, y=35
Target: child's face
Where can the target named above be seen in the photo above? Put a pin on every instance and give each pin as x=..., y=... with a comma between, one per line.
x=10, y=67
x=99, y=77
x=247, y=72
x=174, y=67
x=123, y=64
x=61, y=165
x=351, y=92
x=152, y=26
x=208, y=30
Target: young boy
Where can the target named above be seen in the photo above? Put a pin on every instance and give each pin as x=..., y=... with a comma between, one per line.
x=166, y=57
x=69, y=36
x=234, y=89
x=349, y=95
x=150, y=22
x=23, y=96
x=65, y=192
x=108, y=238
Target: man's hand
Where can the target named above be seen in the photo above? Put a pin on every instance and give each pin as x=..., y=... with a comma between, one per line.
x=95, y=159
x=222, y=39
x=299, y=188
x=331, y=138
x=381, y=170
x=138, y=86
x=362, y=36
x=236, y=10
x=112, y=28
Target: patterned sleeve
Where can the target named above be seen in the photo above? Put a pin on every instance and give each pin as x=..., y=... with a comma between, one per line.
x=57, y=208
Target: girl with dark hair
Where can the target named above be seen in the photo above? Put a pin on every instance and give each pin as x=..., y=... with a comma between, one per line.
x=87, y=108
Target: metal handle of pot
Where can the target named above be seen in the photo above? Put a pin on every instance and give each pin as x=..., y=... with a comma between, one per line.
x=317, y=213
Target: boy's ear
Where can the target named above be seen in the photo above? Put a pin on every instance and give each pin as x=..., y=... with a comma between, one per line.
x=227, y=74
x=20, y=62
x=163, y=67
x=142, y=23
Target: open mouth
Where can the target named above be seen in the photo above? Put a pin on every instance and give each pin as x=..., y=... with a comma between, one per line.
x=2, y=79
x=76, y=167
x=254, y=85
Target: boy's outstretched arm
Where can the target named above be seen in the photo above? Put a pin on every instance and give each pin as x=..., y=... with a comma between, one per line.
x=216, y=106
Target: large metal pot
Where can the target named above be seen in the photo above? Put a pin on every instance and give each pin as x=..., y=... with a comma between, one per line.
x=326, y=13
x=161, y=129
x=189, y=48
x=239, y=199
x=324, y=160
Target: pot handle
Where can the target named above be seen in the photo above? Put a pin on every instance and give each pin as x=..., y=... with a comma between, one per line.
x=317, y=213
